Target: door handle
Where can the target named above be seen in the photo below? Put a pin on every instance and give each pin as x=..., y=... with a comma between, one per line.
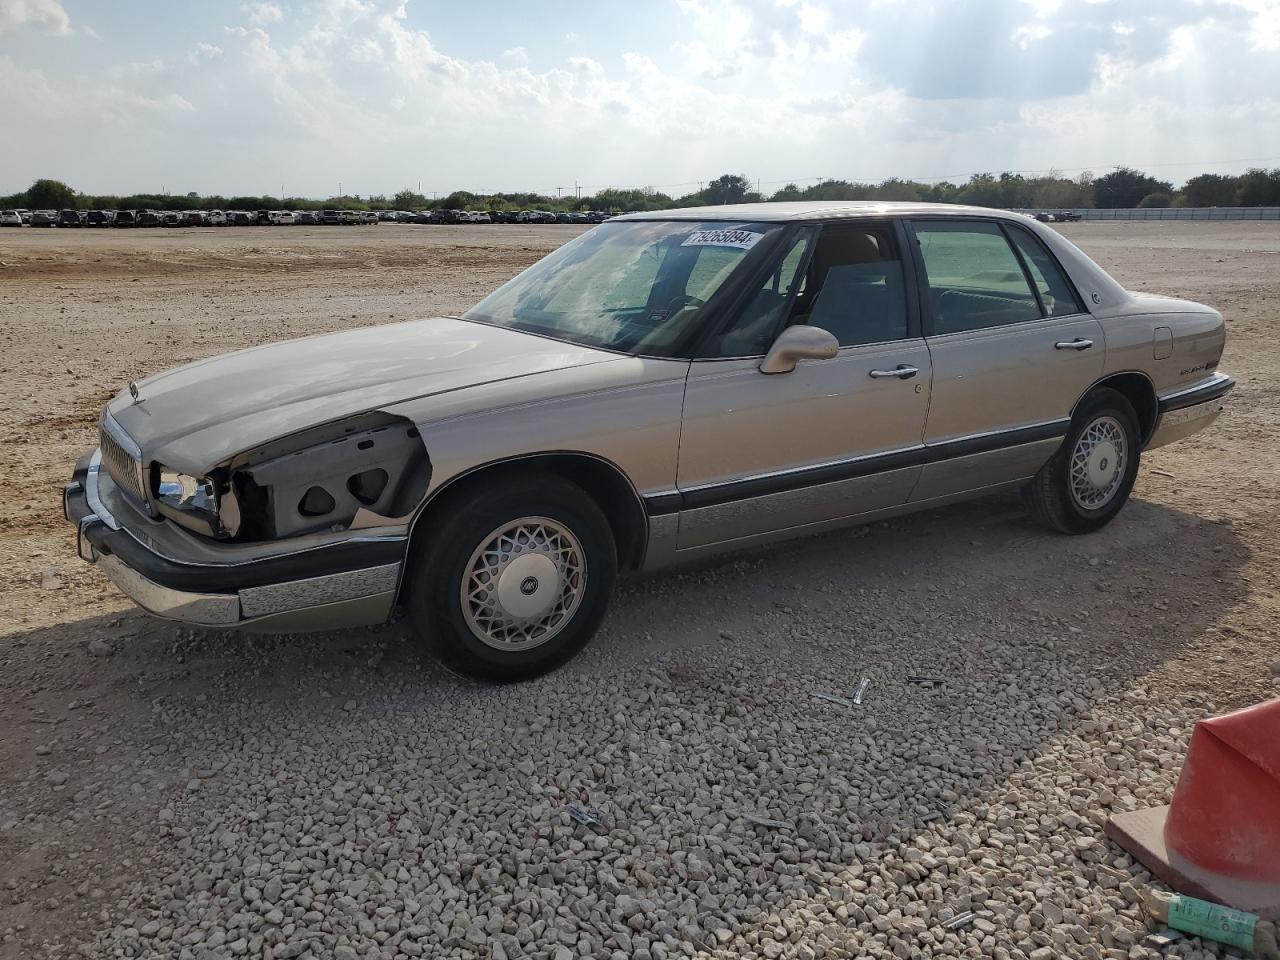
x=1079, y=343
x=901, y=371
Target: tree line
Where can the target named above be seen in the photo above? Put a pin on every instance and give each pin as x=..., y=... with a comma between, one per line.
x=1121, y=188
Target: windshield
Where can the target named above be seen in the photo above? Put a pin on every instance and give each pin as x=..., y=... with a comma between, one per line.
x=632, y=286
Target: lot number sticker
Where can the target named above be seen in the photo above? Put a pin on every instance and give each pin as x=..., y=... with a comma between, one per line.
x=741, y=239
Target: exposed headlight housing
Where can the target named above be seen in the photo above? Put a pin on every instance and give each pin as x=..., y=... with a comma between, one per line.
x=196, y=503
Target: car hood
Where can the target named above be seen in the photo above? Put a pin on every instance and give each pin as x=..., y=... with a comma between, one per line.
x=196, y=416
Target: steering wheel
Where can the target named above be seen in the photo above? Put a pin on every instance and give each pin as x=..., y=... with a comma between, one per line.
x=681, y=302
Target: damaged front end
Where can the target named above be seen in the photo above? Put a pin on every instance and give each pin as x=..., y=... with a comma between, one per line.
x=369, y=471
x=303, y=531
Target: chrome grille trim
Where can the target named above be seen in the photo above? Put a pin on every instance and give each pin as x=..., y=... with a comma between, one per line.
x=121, y=458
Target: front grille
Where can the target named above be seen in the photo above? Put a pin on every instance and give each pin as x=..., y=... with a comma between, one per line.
x=121, y=466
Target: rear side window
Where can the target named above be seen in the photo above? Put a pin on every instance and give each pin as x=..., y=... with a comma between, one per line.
x=975, y=280
x=1056, y=293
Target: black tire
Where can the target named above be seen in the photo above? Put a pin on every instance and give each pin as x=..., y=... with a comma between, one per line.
x=1048, y=496
x=441, y=558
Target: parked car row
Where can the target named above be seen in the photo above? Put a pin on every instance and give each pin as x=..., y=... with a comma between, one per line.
x=281, y=218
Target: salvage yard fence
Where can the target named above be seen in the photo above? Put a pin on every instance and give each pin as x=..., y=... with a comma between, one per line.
x=1168, y=213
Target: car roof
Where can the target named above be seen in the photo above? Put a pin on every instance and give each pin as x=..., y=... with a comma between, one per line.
x=817, y=210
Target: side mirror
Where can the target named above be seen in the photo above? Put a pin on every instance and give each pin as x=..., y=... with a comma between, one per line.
x=800, y=342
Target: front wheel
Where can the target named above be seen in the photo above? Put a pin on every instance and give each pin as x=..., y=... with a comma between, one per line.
x=514, y=580
x=1089, y=479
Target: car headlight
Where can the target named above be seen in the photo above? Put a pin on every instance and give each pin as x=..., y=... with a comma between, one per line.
x=192, y=502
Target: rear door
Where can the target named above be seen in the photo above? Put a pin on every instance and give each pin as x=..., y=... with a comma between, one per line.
x=1012, y=346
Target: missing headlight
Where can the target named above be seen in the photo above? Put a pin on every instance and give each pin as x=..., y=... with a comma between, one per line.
x=196, y=503
x=365, y=471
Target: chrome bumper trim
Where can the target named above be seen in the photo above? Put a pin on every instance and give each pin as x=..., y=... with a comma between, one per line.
x=91, y=492
x=296, y=594
x=1181, y=423
x=203, y=609
x=372, y=588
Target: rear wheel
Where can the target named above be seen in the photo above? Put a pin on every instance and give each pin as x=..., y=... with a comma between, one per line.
x=514, y=580
x=1089, y=479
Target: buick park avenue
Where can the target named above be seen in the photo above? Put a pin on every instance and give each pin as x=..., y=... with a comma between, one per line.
x=664, y=387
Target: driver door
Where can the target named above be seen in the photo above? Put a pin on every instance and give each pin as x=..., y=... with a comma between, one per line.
x=831, y=439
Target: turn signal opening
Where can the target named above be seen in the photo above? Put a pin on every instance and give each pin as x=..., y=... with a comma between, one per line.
x=316, y=502
x=368, y=485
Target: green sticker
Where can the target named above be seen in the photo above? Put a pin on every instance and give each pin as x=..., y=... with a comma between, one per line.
x=1212, y=920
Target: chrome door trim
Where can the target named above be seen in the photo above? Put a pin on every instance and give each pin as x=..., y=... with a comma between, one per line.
x=801, y=505
x=782, y=481
x=973, y=471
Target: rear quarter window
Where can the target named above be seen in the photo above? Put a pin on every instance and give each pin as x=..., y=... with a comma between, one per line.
x=1056, y=293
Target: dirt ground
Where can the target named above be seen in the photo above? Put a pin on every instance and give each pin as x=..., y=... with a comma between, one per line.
x=1182, y=588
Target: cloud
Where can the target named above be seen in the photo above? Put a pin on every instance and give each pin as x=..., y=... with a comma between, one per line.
x=46, y=14
x=203, y=52
x=362, y=91
x=28, y=87
x=1029, y=33
x=261, y=14
x=1264, y=31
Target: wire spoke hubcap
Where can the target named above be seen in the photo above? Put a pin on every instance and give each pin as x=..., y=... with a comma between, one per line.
x=523, y=584
x=1098, y=463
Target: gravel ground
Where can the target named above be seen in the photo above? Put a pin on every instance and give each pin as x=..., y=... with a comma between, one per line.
x=170, y=793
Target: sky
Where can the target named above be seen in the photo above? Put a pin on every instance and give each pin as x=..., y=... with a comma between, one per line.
x=372, y=96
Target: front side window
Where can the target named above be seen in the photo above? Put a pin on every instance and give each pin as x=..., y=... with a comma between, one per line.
x=761, y=317
x=632, y=286
x=975, y=279
x=855, y=286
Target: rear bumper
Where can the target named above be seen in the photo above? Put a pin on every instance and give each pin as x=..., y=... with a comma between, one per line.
x=351, y=584
x=1189, y=411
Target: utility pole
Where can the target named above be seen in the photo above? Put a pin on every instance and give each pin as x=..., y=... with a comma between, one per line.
x=578, y=187
x=339, y=188
x=558, y=189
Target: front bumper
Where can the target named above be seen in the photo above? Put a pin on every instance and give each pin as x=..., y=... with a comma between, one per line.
x=352, y=583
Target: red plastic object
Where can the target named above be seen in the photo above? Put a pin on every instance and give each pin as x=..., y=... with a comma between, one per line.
x=1219, y=840
x=1225, y=815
